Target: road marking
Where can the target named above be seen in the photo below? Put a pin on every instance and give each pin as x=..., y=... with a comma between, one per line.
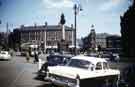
x=18, y=76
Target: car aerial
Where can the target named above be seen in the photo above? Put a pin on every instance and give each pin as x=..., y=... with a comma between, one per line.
x=52, y=60
x=4, y=55
x=82, y=71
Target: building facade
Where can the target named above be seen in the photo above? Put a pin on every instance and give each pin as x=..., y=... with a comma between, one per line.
x=46, y=36
x=101, y=39
x=114, y=43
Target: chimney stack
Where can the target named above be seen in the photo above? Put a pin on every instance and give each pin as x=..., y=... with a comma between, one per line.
x=46, y=24
x=35, y=25
x=72, y=26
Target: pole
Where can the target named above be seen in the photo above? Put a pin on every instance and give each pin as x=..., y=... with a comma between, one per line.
x=75, y=13
x=7, y=32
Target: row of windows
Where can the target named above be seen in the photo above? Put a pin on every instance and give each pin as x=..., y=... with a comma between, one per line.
x=50, y=35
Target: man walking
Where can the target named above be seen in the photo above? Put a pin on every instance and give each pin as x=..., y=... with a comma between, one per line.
x=36, y=57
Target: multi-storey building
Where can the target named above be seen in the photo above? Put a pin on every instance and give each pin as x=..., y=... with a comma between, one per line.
x=114, y=43
x=46, y=36
x=101, y=39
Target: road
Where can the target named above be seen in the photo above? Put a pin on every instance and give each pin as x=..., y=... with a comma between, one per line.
x=18, y=73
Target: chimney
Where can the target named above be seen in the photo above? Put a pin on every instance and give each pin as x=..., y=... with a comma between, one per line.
x=46, y=24
x=59, y=24
x=72, y=26
x=22, y=26
x=35, y=25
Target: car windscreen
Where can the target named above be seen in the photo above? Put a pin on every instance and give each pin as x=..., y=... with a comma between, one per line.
x=78, y=63
x=55, y=59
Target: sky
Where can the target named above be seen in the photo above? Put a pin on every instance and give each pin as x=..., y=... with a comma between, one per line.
x=103, y=14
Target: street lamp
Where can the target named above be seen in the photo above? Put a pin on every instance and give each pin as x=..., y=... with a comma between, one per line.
x=76, y=10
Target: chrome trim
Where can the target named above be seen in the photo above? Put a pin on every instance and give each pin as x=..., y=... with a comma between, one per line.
x=60, y=82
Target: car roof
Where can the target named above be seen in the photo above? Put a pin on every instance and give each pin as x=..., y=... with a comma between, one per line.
x=56, y=55
x=3, y=51
x=93, y=60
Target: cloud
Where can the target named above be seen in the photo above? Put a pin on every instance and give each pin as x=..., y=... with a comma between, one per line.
x=58, y=3
x=108, y=5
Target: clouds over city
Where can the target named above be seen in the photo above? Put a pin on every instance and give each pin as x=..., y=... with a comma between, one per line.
x=58, y=3
x=110, y=4
x=104, y=14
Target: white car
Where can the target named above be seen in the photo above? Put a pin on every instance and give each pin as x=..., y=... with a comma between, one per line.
x=84, y=71
x=5, y=55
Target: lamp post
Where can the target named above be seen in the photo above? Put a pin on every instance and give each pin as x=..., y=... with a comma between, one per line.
x=76, y=9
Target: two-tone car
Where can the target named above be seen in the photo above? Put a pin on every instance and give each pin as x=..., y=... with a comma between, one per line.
x=84, y=71
x=52, y=60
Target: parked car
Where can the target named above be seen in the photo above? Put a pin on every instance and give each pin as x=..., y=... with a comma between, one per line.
x=82, y=71
x=53, y=60
x=5, y=55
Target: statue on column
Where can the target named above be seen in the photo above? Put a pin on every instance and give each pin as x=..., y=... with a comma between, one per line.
x=62, y=22
x=93, y=39
x=63, y=44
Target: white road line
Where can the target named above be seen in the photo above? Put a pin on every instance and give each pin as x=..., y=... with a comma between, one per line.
x=18, y=76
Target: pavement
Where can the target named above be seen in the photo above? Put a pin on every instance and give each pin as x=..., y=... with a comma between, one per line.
x=19, y=73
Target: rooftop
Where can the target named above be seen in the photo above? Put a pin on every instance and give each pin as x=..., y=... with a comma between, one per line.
x=44, y=27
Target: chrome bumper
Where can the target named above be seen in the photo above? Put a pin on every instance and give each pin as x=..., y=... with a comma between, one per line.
x=60, y=83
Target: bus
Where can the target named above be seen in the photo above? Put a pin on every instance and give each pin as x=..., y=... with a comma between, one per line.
x=31, y=48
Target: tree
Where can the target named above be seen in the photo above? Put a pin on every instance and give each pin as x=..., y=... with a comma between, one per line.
x=127, y=31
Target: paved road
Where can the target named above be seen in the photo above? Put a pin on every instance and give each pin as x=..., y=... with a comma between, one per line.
x=18, y=73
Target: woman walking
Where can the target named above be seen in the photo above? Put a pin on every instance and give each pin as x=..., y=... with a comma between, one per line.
x=27, y=57
x=36, y=57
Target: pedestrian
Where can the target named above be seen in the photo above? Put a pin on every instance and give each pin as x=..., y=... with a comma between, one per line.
x=27, y=57
x=36, y=57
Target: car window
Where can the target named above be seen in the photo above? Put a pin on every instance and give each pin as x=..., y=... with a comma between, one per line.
x=79, y=63
x=55, y=58
x=105, y=65
x=3, y=52
x=66, y=60
x=99, y=66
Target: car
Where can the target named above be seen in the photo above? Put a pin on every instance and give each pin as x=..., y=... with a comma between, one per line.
x=82, y=71
x=52, y=60
x=5, y=55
